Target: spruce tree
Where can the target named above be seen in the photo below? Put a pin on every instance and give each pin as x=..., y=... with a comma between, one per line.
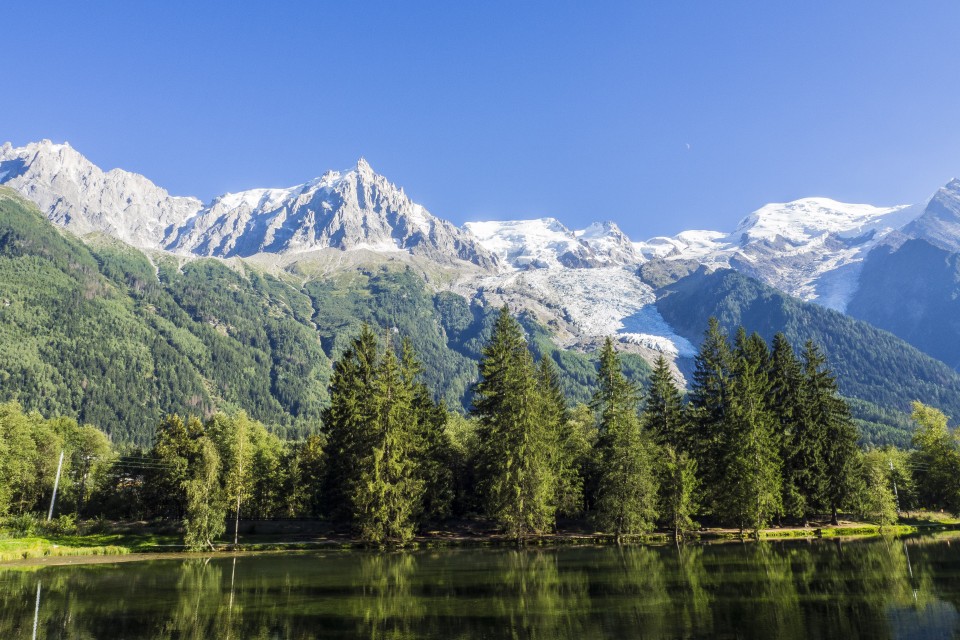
x=828, y=420
x=710, y=399
x=627, y=490
x=663, y=415
x=801, y=446
x=433, y=449
x=749, y=493
x=347, y=422
x=514, y=474
x=388, y=491
x=565, y=443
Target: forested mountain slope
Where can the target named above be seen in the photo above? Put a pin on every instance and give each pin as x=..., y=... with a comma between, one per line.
x=102, y=332
x=913, y=291
x=880, y=372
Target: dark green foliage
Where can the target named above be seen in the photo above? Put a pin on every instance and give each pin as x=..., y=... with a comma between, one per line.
x=388, y=490
x=749, y=487
x=677, y=474
x=663, y=411
x=710, y=408
x=565, y=443
x=514, y=467
x=871, y=365
x=94, y=333
x=347, y=422
x=432, y=447
x=443, y=329
x=827, y=419
x=801, y=443
x=626, y=487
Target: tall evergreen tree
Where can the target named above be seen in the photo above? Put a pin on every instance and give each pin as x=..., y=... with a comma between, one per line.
x=514, y=473
x=750, y=486
x=663, y=415
x=432, y=447
x=801, y=444
x=710, y=399
x=565, y=445
x=347, y=422
x=388, y=491
x=627, y=490
x=828, y=422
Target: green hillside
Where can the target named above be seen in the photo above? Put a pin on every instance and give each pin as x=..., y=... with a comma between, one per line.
x=881, y=373
x=100, y=332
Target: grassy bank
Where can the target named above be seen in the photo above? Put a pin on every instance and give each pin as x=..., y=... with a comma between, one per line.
x=128, y=539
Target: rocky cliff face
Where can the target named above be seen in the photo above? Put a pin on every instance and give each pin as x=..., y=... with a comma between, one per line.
x=940, y=222
x=74, y=193
x=354, y=209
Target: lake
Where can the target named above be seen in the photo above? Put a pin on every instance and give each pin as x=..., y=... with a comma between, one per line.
x=876, y=588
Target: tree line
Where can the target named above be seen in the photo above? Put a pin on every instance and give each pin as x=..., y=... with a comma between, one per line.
x=762, y=436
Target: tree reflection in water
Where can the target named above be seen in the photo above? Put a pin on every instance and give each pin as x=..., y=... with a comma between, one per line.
x=878, y=588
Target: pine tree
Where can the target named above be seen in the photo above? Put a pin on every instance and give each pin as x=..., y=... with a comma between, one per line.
x=347, y=422
x=627, y=490
x=828, y=422
x=663, y=415
x=710, y=399
x=514, y=473
x=801, y=447
x=433, y=450
x=388, y=491
x=750, y=486
x=565, y=445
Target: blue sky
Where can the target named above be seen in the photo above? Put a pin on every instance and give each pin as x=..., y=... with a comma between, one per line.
x=660, y=116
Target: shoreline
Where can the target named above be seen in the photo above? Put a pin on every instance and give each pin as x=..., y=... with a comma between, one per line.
x=52, y=553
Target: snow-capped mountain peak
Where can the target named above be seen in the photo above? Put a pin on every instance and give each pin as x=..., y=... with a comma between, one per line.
x=545, y=243
x=801, y=220
x=352, y=209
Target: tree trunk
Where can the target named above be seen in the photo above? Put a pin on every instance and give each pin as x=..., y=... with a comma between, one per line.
x=833, y=516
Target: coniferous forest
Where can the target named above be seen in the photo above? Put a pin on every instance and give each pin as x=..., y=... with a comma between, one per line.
x=761, y=438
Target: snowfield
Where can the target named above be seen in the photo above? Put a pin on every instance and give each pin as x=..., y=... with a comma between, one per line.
x=594, y=303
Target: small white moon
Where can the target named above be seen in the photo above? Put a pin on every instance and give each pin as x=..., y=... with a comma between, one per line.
x=688, y=146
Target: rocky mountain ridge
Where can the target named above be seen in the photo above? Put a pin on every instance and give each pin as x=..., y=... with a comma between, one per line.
x=583, y=284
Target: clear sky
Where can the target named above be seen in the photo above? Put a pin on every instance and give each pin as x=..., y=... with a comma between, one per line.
x=661, y=116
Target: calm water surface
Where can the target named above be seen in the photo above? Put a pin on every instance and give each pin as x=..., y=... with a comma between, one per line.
x=880, y=588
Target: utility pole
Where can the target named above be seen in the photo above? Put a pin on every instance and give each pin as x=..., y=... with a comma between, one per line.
x=56, y=483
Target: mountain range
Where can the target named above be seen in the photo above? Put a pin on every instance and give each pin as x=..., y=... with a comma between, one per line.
x=895, y=268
